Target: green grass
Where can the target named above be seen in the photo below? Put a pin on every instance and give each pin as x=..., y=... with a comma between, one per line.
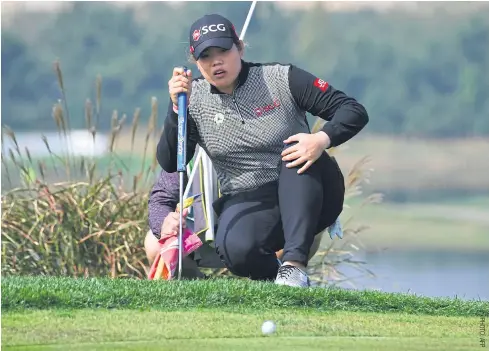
x=209, y=329
x=47, y=313
x=47, y=293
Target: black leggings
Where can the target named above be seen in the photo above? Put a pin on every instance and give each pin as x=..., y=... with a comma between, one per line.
x=287, y=214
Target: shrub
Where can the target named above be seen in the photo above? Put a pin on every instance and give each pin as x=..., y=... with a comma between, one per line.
x=92, y=223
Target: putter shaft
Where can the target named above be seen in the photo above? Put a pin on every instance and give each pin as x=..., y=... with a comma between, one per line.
x=180, y=232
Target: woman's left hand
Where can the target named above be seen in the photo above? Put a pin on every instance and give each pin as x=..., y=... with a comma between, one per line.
x=307, y=150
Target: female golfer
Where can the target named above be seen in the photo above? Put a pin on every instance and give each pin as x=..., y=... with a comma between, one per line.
x=279, y=187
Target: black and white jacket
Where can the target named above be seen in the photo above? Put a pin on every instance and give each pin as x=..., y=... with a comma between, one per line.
x=244, y=133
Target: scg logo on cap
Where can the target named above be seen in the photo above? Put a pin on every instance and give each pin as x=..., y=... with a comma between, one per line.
x=213, y=28
x=206, y=29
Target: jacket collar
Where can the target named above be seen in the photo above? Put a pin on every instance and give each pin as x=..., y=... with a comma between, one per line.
x=242, y=76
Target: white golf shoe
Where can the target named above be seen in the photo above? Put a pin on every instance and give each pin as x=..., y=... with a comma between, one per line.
x=292, y=276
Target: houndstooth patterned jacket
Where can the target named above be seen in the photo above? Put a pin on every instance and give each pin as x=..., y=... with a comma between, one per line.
x=244, y=133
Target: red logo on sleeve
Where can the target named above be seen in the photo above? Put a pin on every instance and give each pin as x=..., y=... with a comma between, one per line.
x=321, y=84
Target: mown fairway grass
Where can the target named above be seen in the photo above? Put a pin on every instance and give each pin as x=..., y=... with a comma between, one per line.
x=206, y=329
x=223, y=314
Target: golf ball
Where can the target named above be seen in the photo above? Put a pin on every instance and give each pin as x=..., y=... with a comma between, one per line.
x=268, y=327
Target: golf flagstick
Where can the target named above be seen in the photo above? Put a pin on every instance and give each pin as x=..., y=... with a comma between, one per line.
x=181, y=166
x=247, y=21
x=210, y=180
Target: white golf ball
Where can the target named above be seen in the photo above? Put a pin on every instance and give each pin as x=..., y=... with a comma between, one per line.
x=268, y=327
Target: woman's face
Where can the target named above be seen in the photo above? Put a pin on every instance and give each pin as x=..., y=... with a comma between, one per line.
x=221, y=67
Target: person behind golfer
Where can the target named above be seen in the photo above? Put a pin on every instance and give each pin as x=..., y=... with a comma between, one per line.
x=279, y=186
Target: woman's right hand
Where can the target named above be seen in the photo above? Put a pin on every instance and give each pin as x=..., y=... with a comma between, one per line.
x=180, y=82
x=171, y=224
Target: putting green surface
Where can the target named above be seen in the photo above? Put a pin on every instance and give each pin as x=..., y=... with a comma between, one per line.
x=48, y=313
x=213, y=329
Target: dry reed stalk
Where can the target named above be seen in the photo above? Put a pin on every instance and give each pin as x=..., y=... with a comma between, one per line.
x=153, y=128
x=134, y=126
x=66, y=125
x=88, y=114
x=98, y=98
x=61, y=126
x=149, y=131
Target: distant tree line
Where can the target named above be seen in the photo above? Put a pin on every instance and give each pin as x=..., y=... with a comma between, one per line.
x=418, y=75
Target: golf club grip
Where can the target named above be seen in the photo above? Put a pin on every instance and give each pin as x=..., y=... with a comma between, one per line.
x=182, y=131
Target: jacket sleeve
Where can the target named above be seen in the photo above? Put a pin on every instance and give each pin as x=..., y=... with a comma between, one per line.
x=346, y=117
x=166, y=151
x=163, y=199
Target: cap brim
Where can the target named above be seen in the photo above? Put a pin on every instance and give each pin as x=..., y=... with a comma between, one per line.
x=224, y=43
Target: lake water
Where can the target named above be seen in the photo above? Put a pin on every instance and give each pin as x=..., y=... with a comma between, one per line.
x=78, y=142
x=432, y=274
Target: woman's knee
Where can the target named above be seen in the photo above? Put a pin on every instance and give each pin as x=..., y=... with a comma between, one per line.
x=151, y=246
x=246, y=225
x=237, y=256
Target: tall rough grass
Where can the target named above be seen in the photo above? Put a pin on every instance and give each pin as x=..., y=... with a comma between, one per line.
x=92, y=222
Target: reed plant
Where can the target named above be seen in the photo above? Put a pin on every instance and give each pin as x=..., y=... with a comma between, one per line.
x=92, y=222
